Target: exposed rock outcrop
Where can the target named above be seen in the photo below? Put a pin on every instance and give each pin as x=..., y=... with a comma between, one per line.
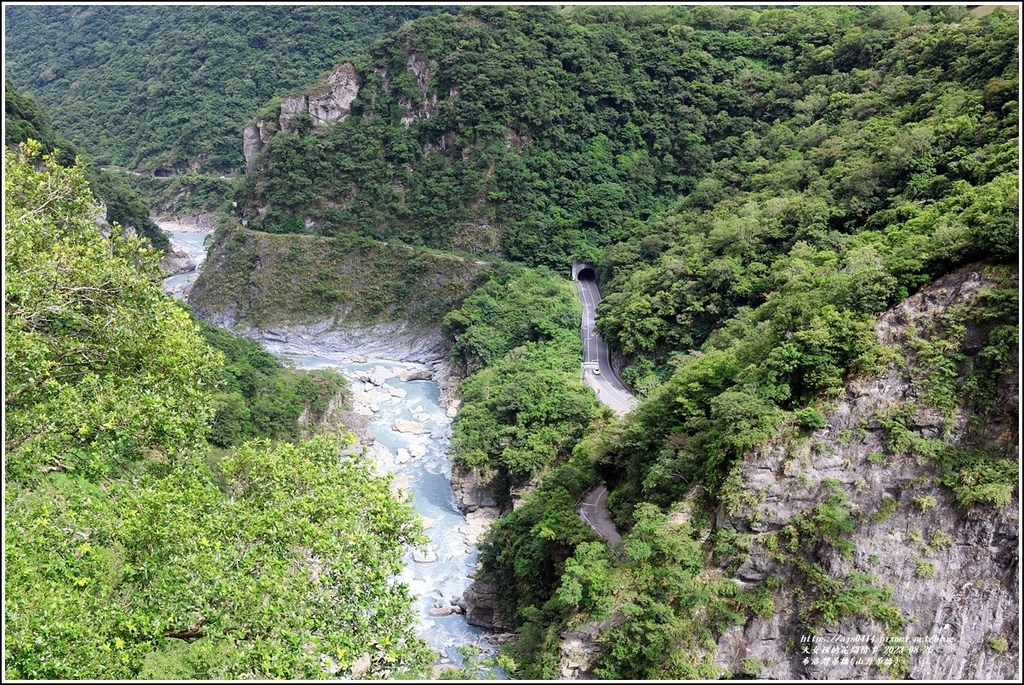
x=478, y=604
x=447, y=379
x=405, y=426
x=473, y=490
x=332, y=102
x=952, y=571
x=415, y=375
x=176, y=262
x=395, y=340
x=254, y=138
x=290, y=107
x=326, y=104
x=427, y=106
x=260, y=285
x=582, y=647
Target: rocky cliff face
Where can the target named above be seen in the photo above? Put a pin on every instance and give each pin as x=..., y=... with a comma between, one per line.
x=427, y=106
x=326, y=104
x=176, y=262
x=876, y=566
x=333, y=101
x=254, y=138
x=395, y=340
x=349, y=298
x=945, y=576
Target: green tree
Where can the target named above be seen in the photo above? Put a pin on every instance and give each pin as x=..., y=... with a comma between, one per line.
x=287, y=574
x=125, y=556
x=102, y=369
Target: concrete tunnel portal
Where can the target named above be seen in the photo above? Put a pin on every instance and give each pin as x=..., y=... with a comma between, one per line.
x=583, y=272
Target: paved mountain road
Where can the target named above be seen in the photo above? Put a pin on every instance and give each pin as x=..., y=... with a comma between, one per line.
x=593, y=508
x=593, y=511
x=606, y=383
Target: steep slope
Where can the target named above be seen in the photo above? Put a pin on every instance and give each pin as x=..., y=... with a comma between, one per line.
x=127, y=555
x=147, y=86
x=757, y=187
x=550, y=134
x=24, y=119
x=895, y=493
x=346, y=293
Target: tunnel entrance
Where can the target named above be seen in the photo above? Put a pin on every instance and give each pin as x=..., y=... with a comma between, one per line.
x=581, y=271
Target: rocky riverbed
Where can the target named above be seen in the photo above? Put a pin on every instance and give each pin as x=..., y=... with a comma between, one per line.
x=401, y=413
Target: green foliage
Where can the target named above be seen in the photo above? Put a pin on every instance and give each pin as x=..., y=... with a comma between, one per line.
x=345, y=278
x=509, y=310
x=587, y=581
x=826, y=598
x=126, y=207
x=25, y=119
x=259, y=398
x=752, y=667
x=289, y=573
x=810, y=418
x=524, y=550
x=523, y=413
x=755, y=186
x=925, y=502
x=924, y=569
x=569, y=129
x=526, y=410
x=979, y=476
x=671, y=614
x=184, y=193
x=101, y=369
x=124, y=557
x=143, y=86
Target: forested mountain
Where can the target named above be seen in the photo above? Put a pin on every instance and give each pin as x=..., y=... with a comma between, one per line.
x=804, y=222
x=143, y=86
x=756, y=187
x=562, y=131
x=24, y=119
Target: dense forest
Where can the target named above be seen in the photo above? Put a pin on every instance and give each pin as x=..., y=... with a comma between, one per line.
x=24, y=119
x=154, y=494
x=766, y=195
x=148, y=85
x=755, y=187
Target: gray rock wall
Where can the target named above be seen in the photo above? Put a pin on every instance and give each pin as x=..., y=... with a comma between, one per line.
x=326, y=104
x=952, y=571
x=395, y=340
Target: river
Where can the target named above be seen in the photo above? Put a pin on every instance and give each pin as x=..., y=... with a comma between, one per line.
x=438, y=574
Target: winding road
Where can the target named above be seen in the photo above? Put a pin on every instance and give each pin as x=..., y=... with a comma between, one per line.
x=599, y=375
x=593, y=511
x=597, y=367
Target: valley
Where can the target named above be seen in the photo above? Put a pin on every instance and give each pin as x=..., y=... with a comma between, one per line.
x=545, y=342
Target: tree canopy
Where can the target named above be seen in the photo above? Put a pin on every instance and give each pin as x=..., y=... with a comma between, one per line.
x=126, y=555
x=143, y=86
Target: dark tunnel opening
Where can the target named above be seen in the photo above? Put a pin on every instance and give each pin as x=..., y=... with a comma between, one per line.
x=586, y=274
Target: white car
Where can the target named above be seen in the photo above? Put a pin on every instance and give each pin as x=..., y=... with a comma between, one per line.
x=597, y=371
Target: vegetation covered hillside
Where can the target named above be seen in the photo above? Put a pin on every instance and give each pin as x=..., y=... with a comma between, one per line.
x=264, y=280
x=126, y=555
x=756, y=186
x=143, y=86
x=805, y=226
x=24, y=119
x=547, y=134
